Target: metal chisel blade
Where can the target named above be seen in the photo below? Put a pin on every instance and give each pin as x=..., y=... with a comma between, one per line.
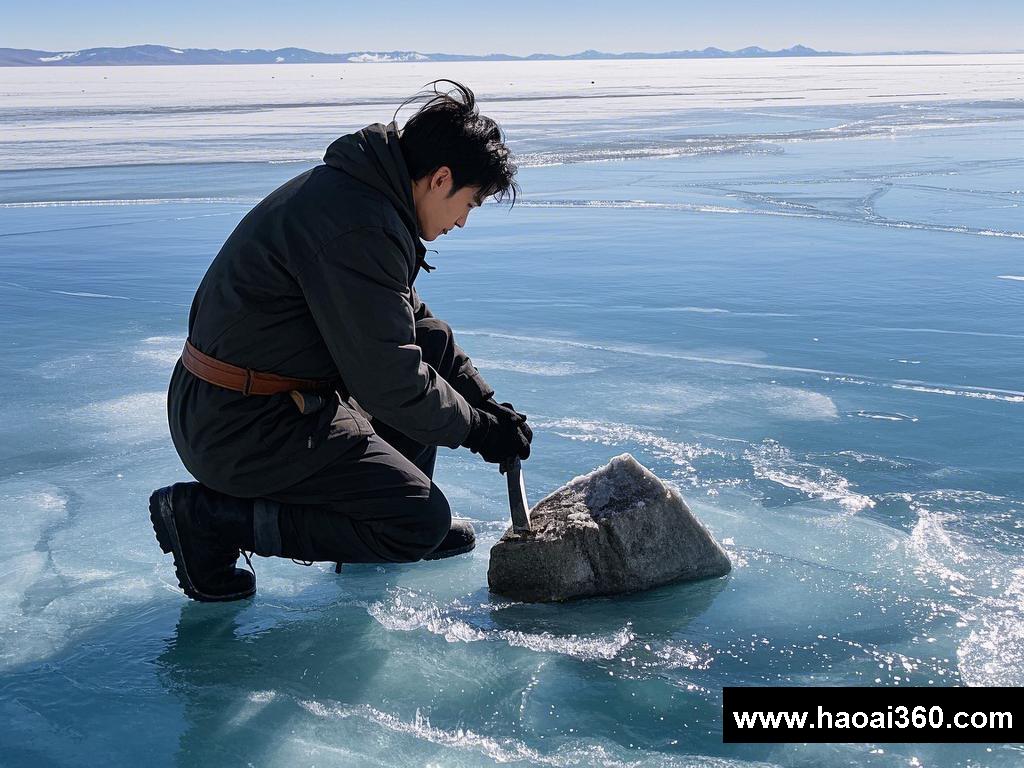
x=517, y=503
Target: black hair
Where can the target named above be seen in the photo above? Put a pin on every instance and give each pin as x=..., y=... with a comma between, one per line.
x=448, y=130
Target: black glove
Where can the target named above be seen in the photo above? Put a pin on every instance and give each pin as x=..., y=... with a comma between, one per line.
x=495, y=408
x=496, y=437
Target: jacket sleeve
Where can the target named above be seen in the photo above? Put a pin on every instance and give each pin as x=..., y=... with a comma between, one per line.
x=466, y=379
x=420, y=310
x=357, y=288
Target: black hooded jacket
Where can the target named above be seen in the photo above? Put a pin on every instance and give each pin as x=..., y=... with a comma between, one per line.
x=315, y=282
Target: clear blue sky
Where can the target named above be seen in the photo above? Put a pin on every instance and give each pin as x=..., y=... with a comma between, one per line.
x=517, y=26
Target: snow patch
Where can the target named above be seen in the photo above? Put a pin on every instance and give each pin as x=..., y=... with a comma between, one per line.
x=771, y=461
x=61, y=56
x=369, y=57
x=885, y=416
x=534, y=367
x=406, y=612
x=796, y=403
x=161, y=350
x=87, y=295
x=132, y=418
x=621, y=435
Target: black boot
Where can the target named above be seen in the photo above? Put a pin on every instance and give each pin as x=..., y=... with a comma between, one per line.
x=205, y=531
x=460, y=538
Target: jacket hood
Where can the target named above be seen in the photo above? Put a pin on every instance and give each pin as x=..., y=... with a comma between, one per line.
x=374, y=156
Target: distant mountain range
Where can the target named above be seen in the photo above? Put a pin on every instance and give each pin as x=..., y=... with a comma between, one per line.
x=160, y=54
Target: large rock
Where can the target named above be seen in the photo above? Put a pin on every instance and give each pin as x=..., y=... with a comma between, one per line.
x=618, y=529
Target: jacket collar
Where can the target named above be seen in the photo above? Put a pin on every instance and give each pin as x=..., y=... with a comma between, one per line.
x=374, y=156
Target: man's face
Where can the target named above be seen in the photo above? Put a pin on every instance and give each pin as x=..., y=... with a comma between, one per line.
x=438, y=212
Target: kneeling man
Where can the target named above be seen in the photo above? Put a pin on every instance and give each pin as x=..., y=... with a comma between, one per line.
x=315, y=385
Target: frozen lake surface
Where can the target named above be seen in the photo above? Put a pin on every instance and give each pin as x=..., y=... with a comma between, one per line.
x=793, y=287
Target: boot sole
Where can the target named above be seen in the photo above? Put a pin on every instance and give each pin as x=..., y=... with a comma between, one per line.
x=435, y=555
x=161, y=515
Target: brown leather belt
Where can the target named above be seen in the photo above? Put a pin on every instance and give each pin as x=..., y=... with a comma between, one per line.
x=246, y=380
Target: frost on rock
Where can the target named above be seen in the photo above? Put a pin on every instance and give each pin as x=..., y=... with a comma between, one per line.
x=617, y=529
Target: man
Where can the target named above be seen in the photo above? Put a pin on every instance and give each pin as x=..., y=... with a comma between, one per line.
x=315, y=385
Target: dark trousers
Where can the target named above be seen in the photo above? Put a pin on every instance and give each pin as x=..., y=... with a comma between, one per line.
x=377, y=503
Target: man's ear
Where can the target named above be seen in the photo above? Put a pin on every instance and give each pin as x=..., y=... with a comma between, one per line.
x=441, y=176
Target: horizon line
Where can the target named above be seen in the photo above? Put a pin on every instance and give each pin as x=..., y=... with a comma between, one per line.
x=907, y=51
